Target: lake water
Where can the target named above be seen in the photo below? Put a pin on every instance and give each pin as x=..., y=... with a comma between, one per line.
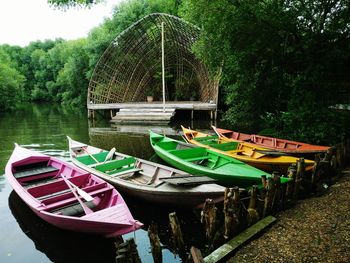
x=26, y=238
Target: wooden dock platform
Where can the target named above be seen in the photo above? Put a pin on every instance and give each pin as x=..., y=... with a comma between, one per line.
x=141, y=111
x=143, y=115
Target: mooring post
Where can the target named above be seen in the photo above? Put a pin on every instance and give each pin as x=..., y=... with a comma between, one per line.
x=196, y=255
x=228, y=212
x=276, y=198
x=231, y=211
x=315, y=172
x=298, y=178
x=291, y=173
x=253, y=215
x=269, y=190
x=176, y=231
x=338, y=155
x=155, y=243
x=127, y=252
x=208, y=218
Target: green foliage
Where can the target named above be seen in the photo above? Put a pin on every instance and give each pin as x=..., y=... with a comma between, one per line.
x=286, y=59
x=72, y=3
x=11, y=83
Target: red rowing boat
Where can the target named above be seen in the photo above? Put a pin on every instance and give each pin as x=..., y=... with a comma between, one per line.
x=272, y=143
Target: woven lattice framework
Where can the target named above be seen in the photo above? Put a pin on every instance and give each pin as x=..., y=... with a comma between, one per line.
x=130, y=68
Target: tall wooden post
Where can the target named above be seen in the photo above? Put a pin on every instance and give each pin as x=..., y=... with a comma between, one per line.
x=163, y=68
x=269, y=190
x=208, y=218
x=155, y=243
x=298, y=178
x=291, y=173
x=177, y=234
x=253, y=215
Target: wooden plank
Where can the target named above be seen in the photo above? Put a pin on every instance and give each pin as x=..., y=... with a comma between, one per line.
x=178, y=105
x=188, y=180
x=196, y=255
x=143, y=113
x=148, y=109
x=35, y=171
x=226, y=250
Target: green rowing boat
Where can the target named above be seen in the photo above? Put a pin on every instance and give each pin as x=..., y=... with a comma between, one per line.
x=201, y=161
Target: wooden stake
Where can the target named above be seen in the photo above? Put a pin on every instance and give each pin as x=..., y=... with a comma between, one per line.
x=231, y=211
x=291, y=173
x=196, y=255
x=127, y=252
x=228, y=212
x=268, y=197
x=315, y=177
x=253, y=215
x=298, y=178
x=276, y=195
x=155, y=243
x=176, y=231
x=208, y=217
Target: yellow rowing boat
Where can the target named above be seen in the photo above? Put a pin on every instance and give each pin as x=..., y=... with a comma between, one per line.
x=259, y=157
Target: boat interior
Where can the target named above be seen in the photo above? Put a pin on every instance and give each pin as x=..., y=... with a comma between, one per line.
x=44, y=181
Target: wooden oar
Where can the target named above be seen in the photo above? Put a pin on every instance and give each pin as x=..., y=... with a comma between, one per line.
x=110, y=155
x=90, y=155
x=81, y=192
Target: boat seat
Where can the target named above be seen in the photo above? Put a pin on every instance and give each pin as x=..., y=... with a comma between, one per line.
x=39, y=182
x=188, y=180
x=199, y=158
x=54, y=194
x=124, y=171
x=88, y=160
x=35, y=171
x=67, y=198
x=74, y=209
x=214, y=137
x=116, y=164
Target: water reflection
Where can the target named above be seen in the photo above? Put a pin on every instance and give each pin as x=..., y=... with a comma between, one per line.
x=2, y=181
x=57, y=244
x=44, y=127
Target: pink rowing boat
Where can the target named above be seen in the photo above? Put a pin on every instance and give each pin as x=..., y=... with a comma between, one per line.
x=68, y=197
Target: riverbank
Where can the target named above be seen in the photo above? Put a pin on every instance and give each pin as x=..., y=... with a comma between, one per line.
x=316, y=229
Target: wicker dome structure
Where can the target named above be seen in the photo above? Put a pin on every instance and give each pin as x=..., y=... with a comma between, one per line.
x=131, y=67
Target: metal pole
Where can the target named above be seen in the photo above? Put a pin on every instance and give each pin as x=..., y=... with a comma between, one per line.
x=163, y=70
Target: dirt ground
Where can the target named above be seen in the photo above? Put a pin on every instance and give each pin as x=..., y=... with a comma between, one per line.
x=316, y=229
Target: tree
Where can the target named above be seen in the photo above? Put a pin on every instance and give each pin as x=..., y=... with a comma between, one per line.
x=276, y=56
x=11, y=83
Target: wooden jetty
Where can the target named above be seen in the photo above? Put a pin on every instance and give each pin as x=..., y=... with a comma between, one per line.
x=153, y=58
x=150, y=111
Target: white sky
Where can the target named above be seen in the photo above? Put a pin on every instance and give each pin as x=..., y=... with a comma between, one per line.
x=23, y=21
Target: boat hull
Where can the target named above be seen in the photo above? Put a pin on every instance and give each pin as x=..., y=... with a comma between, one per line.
x=258, y=157
x=282, y=145
x=52, y=199
x=230, y=173
x=157, y=191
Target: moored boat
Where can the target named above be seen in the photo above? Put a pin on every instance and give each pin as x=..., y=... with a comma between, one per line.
x=66, y=196
x=282, y=145
x=202, y=161
x=143, y=179
x=253, y=155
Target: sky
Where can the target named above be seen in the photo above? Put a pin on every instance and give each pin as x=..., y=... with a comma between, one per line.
x=23, y=21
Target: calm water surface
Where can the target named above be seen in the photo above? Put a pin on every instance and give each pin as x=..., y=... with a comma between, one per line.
x=26, y=238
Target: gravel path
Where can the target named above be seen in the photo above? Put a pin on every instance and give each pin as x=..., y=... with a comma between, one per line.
x=317, y=229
